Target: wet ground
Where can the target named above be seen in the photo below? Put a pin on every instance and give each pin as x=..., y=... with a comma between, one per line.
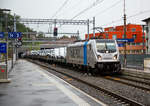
x=33, y=86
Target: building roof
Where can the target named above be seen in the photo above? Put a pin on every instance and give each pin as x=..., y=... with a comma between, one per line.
x=147, y=19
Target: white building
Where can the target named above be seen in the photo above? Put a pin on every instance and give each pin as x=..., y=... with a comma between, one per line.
x=147, y=20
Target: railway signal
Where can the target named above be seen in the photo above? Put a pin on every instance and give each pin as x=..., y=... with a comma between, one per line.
x=19, y=42
x=55, y=31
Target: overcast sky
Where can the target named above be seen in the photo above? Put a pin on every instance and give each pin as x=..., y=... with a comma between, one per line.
x=107, y=12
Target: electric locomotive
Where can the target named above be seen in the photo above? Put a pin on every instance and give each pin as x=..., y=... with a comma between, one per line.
x=96, y=55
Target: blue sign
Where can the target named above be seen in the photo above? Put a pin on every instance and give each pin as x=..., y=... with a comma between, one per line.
x=14, y=34
x=1, y=34
x=121, y=45
x=11, y=35
x=125, y=40
x=3, y=48
x=18, y=34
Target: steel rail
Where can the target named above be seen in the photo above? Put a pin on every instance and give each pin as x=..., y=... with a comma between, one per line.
x=138, y=77
x=130, y=79
x=129, y=84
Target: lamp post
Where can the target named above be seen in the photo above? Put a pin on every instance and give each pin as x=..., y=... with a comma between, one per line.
x=125, y=57
x=147, y=38
x=143, y=37
x=6, y=27
x=93, y=26
x=88, y=29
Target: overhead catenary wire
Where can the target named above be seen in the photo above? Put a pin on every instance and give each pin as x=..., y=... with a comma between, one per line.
x=131, y=16
x=106, y=9
x=86, y=9
x=94, y=4
x=89, y=7
x=59, y=9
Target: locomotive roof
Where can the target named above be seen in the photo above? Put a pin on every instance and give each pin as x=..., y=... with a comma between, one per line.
x=78, y=43
x=97, y=40
x=105, y=40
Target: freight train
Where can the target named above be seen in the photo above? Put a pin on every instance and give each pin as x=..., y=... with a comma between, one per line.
x=94, y=56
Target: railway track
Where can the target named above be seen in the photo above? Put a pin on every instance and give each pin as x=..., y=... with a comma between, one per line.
x=130, y=82
x=124, y=100
x=138, y=77
x=138, y=81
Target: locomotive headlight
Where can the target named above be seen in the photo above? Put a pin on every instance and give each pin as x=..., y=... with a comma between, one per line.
x=115, y=57
x=99, y=57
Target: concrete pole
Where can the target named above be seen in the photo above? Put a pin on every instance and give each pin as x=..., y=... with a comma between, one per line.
x=12, y=60
x=15, y=23
x=6, y=61
x=50, y=28
x=78, y=34
x=88, y=29
x=143, y=26
x=125, y=60
x=15, y=30
x=12, y=63
x=148, y=34
x=94, y=27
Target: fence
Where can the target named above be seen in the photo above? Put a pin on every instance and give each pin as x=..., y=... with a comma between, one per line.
x=134, y=60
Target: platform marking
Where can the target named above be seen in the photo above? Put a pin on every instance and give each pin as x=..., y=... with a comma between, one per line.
x=71, y=95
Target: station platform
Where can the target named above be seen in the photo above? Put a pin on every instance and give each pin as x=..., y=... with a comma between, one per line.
x=33, y=86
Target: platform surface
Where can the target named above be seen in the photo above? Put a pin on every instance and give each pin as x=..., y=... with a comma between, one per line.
x=33, y=86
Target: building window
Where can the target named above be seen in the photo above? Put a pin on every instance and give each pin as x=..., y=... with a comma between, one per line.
x=134, y=36
x=111, y=29
x=123, y=36
x=138, y=43
x=129, y=43
x=106, y=35
x=133, y=29
x=134, y=44
x=114, y=37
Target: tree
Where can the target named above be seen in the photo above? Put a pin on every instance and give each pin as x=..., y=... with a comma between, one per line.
x=40, y=35
x=64, y=36
x=20, y=27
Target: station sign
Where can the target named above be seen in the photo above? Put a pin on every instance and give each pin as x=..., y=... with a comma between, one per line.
x=3, y=48
x=14, y=34
x=125, y=40
x=2, y=34
x=121, y=45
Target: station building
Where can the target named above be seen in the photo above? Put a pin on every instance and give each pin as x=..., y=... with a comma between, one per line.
x=147, y=20
x=135, y=38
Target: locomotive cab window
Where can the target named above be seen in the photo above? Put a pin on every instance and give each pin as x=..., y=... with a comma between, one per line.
x=103, y=46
